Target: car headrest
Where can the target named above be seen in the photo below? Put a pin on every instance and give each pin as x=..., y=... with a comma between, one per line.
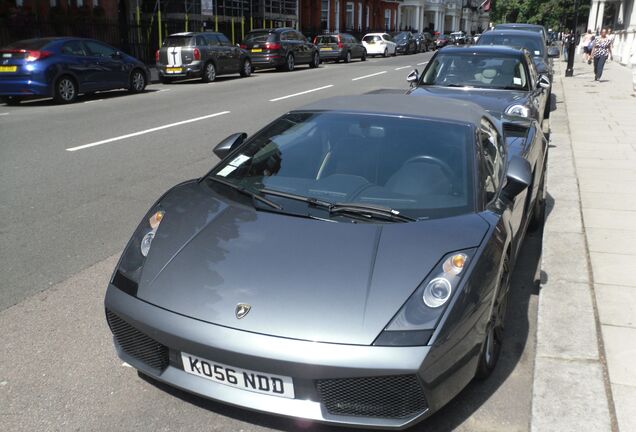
x=489, y=73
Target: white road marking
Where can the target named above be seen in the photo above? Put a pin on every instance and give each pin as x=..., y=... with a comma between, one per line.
x=96, y=100
x=121, y=137
x=423, y=63
x=403, y=67
x=301, y=93
x=368, y=76
x=158, y=91
x=3, y=114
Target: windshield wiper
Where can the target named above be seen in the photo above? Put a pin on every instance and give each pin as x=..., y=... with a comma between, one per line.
x=370, y=210
x=247, y=192
x=455, y=85
x=292, y=196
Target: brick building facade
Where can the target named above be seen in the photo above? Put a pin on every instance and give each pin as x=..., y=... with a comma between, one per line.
x=356, y=16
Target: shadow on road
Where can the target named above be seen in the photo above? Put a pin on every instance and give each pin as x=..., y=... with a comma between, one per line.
x=525, y=285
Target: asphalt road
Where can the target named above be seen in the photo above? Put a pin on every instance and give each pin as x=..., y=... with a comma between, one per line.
x=73, y=186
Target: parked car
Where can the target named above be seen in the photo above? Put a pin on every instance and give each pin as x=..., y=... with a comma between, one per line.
x=379, y=44
x=529, y=40
x=340, y=46
x=405, y=42
x=500, y=79
x=537, y=28
x=64, y=67
x=205, y=55
x=425, y=42
x=349, y=264
x=458, y=38
x=476, y=37
x=442, y=41
x=282, y=48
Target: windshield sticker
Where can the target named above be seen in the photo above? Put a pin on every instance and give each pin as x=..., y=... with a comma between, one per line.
x=226, y=171
x=537, y=53
x=239, y=160
x=516, y=81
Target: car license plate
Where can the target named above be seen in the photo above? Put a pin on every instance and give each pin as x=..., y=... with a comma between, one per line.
x=173, y=70
x=274, y=385
x=326, y=49
x=257, y=50
x=8, y=68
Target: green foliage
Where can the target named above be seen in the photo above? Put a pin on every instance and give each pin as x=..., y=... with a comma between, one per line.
x=554, y=14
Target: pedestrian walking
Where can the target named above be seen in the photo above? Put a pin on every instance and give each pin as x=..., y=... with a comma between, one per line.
x=601, y=51
x=567, y=40
x=588, y=44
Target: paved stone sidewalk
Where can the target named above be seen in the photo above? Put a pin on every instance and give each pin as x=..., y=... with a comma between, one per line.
x=585, y=368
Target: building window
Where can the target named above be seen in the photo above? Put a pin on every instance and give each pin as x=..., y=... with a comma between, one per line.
x=337, y=6
x=19, y=3
x=359, y=16
x=368, y=15
x=324, y=15
x=387, y=19
x=349, y=16
x=95, y=3
x=79, y=3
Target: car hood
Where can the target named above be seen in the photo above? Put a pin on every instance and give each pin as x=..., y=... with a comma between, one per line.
x=304, y=278
x=491, y=100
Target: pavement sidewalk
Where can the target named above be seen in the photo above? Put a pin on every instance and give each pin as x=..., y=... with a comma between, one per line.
x=585, y=373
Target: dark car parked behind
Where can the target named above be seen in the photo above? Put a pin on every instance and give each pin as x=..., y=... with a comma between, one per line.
x=340, y=46
x=65, y=67
x=282, y=48
x=405, y=42
x=205, y=55
x=425, y=42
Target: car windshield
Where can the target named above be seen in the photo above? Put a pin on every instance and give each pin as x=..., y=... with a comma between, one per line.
x=533, y=44
x=476, y=70
x=400, y=36
x=178, y=41
x=260, y=36
x=369, y=39
x=418, y=167
x=326, y=39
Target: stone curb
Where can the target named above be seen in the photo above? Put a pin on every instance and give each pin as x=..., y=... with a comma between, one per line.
x=569, y=386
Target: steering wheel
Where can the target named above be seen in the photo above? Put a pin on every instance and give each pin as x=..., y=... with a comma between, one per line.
x=443, y=165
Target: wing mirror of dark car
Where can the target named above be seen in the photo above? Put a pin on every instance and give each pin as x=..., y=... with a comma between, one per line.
x=413, y=77
x=518, y=177
x=553, y=52
x=226, y=146
x=544, y=82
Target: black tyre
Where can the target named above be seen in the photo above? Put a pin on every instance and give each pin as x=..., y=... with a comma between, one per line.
x=386, y=52
x=495, y=329
x=347, y=58
x=548, y=106
x=209, y=72
x=246, y=68
x=137, y=81
x=364, y=56
x=65, y=90
x=11, y=100
x=165, y=79
x=538, y=209
x=315, y=61
x=290, y=63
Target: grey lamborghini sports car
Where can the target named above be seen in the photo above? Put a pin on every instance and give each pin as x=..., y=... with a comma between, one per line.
x=348, y=264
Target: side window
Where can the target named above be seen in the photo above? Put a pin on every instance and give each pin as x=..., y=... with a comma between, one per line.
x=493, y=159
x=532, y=71
x=99, y=50
x=223, y=39
x=285, y=36
x=520, y=78
x=212, y=40
x=73, y=48
x=300, y=37
x=200, y=41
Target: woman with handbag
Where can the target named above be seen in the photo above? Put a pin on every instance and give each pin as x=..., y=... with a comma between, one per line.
x=602, y=49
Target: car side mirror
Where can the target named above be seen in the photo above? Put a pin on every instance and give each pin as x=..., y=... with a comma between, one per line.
x=226, y=146
x=413, y=77
x=518, y=177
x=544, y=82
x=553, y=52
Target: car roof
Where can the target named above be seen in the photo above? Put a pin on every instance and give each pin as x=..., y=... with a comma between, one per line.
x=520, y=25
x=431, y=107
x=272, y=30
x=375, y=34
x=485, y=49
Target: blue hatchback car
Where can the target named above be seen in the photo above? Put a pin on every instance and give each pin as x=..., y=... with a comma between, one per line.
x=64, y=67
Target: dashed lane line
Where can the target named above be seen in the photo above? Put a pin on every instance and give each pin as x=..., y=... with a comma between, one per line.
x=368, y=76
x=423, y=63
x=403, y=67
x=301, y=93
x=155, y=129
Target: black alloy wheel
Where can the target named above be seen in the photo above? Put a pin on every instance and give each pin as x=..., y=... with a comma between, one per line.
x=364, y=55
x=246, y=68
x=209, y=72
x=491, y=348
x=315, y=61
x=289, y=63
x=137, y=81
x=65, y=90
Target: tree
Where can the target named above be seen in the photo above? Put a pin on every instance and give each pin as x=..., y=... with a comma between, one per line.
x=554, y=14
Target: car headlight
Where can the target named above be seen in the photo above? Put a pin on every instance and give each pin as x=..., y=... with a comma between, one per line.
x=128, y=272
x=416, y=320
x=518, y=110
